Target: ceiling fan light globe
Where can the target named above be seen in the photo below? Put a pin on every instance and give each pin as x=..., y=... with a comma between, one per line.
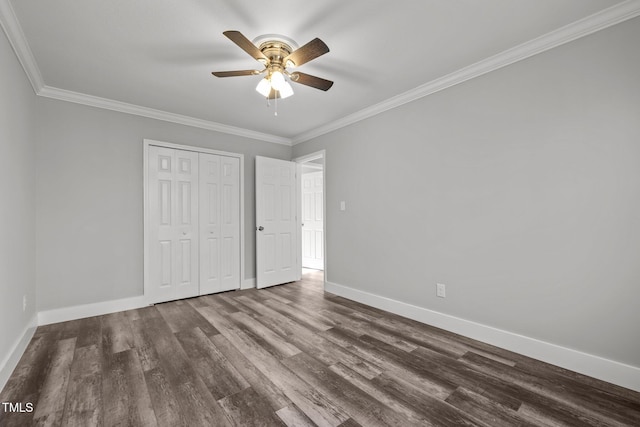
x=286, y=90
x=264, y=87
x=277, y=80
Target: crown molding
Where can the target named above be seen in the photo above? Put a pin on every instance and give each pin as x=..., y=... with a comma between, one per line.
x=583, y=27
x=611, y=16
x=13, y=30
x=18, y=41
x=123, y=107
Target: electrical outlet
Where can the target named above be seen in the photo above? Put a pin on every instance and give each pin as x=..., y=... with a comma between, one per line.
x=441, y=290
x=24, y=303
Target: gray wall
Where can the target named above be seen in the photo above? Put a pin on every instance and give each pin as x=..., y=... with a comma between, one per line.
x=520, y=190
x=90, y=204
x=17, y=200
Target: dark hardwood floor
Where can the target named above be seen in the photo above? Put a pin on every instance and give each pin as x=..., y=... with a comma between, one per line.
x=291, y=355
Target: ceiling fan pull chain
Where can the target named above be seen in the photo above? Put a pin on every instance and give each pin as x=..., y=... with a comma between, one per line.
x=276, y=108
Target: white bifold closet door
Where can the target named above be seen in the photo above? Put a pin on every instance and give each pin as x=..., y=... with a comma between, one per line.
x=220, y=223
x=193, y=223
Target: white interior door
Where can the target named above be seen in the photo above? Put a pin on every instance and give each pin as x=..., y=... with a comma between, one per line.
x=276, y=222
x=173, y=218
x=312, y=221
x=219, y=223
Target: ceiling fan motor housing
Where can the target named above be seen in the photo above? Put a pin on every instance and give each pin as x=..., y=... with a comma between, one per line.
x=276, y=51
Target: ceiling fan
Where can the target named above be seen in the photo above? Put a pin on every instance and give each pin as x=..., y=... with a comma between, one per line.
x=278, y=54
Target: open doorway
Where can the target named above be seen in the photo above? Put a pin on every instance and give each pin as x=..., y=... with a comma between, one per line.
x=311, y=212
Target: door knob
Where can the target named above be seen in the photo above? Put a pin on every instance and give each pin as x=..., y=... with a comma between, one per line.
x=260, y=228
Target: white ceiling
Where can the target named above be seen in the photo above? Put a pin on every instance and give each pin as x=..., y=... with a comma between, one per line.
x=150, y=55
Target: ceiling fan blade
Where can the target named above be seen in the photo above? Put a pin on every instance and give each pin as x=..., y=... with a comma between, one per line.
x=246, y=45
x=313, y=81
x=306, y=53
x=235, y=73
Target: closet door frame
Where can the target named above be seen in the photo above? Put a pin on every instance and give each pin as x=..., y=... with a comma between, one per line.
x=145, y=188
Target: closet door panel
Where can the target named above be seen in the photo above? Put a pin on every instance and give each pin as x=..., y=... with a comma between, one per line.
x=230, y=223
x=173, y=223
x=209, y=223
x=219, y=223
x=160, y=193
x=186, y=212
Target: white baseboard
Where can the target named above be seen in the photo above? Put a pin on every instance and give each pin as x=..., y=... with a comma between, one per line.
x=90, y=310
x=11, y=360
x=106, y=307
x=248, y=284
x=594, y=366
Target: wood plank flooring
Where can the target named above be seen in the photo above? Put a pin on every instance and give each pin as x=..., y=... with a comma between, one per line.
x=296, y=356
